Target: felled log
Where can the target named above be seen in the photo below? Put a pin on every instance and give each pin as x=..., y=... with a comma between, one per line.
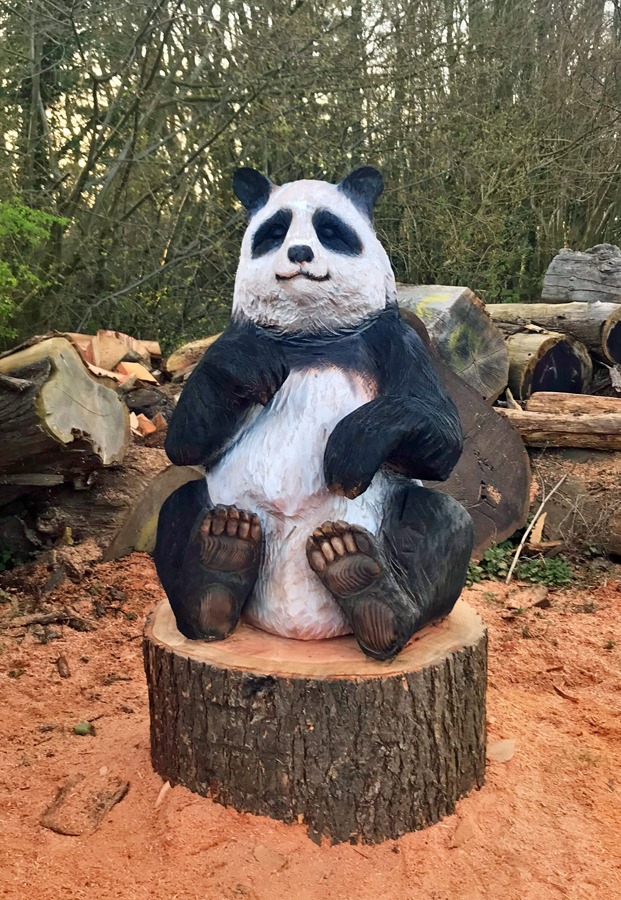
x=462, y=333
x=584, y=276
x=188, y=355
x=547, y=429
x=57, y=420
x=585, y=511
x=597, y=325
x=573, y=404
x=547, y=362
x=265, y=724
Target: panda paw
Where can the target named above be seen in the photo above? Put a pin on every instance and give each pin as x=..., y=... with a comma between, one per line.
x=229, y=539
x=350, y=563
x=343, y=557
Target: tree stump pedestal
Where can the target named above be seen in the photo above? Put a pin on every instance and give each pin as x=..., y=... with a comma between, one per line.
x=315, y=732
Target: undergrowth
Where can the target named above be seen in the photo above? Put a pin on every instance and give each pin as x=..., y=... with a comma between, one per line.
x=496, y=561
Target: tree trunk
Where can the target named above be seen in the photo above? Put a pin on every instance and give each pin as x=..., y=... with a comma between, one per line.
x=547, y=362
x=584, y=277
x=462, y=333
x=573, y=404
x=315, y=732
x=585, y=512
x=58, y=422
x=538, y=429
x=597, y=325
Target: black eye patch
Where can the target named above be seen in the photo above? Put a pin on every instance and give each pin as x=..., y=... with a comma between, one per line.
x=335, y=235
x=270, y=235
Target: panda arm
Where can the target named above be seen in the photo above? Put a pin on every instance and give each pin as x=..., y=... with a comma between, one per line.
x=241, y=369
x=411, y=424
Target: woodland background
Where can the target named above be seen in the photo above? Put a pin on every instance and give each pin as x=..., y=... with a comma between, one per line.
x=496, y=124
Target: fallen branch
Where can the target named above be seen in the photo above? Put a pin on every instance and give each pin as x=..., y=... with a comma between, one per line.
x=52, y=618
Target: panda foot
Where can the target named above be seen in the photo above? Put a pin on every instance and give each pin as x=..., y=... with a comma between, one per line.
x=219, y=570
x=351, y=565
x=229, y=539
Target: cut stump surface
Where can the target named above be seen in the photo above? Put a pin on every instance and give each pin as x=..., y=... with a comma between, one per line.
x=315, y=732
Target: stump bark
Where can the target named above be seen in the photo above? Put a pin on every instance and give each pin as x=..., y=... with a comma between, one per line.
x=315, y=732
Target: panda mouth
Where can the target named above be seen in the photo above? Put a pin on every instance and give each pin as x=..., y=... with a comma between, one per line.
x=302, y=274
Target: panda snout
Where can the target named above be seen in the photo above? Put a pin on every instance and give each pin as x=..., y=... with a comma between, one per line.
x=300, y=253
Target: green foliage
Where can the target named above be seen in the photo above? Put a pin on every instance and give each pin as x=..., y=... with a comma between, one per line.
x=24, y=233
x=552, y=573
x=495, y=125
x=496, y=561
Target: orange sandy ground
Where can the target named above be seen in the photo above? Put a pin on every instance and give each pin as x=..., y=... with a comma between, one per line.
x=547, y=824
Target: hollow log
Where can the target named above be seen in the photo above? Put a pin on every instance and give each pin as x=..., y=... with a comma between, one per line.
x=539, y=429
x=585, y=512
x=273, y=726
x=573, y=404
x=462, y=333
x=547, y=362
x=584, y=276
x=56, y=418
x=597, y=325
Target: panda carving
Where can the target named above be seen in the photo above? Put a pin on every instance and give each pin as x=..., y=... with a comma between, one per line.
x=315, y=414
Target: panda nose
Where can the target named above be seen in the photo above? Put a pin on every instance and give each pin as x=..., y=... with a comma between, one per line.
x=300, y=253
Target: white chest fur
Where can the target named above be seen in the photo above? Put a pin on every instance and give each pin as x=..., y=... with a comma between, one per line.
x=275, y=469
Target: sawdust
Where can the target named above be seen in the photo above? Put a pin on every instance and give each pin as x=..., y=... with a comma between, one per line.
x=547, y=824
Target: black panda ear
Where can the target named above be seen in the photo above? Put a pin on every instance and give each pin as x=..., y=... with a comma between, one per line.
x=363, y=186
x=252, y=188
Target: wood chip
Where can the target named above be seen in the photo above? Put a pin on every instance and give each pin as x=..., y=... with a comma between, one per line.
x=566, y=696
x=133, y=368
x=81, y=805
x=536, y=535
x=145, y=425
x=163, y=791
x=160, y=422
x=501, y=751
x=63, y=667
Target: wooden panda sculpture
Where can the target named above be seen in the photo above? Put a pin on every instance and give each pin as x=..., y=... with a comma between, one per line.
x=315, y=414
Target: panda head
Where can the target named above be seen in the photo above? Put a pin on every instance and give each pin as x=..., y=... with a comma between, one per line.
x=310, y=259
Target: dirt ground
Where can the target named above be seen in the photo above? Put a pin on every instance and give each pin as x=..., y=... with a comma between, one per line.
x=547, y=824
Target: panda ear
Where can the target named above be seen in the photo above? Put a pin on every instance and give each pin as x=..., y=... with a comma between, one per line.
x=252, y=188
x=363, y=186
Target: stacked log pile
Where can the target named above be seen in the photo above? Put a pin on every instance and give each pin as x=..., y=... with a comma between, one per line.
x=85, y=416
x=491, y=354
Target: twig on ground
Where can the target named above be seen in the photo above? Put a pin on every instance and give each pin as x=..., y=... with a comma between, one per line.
x=530, y=528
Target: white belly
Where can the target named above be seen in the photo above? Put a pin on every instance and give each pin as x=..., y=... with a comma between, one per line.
x=275, y=469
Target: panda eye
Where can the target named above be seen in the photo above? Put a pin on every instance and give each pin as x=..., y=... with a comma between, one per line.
x=335, y=234
x=271, y=234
